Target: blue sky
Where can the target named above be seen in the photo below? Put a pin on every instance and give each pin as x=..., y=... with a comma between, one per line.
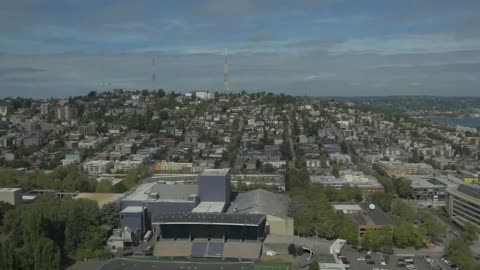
x=304, y=47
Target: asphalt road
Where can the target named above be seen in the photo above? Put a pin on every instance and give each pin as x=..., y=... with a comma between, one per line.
x=129, y=264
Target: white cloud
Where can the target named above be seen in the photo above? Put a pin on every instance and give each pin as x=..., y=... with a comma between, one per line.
x=407, y=44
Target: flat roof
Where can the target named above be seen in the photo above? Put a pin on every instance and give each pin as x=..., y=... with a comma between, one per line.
x=210, y=218
x=209, y=207
x=163, y=192
x=133, y=209
x=215, y=172
x=9, y=189
x=422, y=182
x=462, y=195
x=260, y=201
x=445, y=180
x=348, y=207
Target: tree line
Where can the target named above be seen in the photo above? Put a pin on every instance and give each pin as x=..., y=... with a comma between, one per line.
x=51, y=233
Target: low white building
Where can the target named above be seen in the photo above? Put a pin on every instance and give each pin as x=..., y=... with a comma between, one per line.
x=98, y=166
x=127, y=165
x=340, y=158
x=12, y=196
x=71, y=159
x=120, y=240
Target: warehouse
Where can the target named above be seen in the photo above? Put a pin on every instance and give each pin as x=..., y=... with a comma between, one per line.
x=274, y=205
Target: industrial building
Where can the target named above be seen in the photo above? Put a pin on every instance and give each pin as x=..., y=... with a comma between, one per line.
x=397, y=168
x=426, y=187
x=195, y=219
x=463, y=204
x=274, y=205
x=367, y=216
x=161, y=198
x=367, y=184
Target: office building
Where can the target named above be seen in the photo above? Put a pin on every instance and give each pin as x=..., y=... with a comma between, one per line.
x=95, y=167
x=463, y=204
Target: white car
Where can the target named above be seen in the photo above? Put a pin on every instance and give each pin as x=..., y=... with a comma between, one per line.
x=361, y=259
x=271, y=253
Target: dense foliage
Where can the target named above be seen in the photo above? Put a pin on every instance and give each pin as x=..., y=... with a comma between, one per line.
x=459, y=249
x=51, y=232
x=63, y=178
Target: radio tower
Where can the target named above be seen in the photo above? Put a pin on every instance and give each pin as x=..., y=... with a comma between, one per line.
x=225, y=74
x=153, y=73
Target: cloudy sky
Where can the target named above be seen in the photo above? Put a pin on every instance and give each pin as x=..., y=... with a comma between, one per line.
x=56, y=48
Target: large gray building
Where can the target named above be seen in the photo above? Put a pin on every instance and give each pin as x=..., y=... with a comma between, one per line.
x=273, y=205
x=463, y=204
x=161, y=198
x=135, y=218
x=214, y=185
x=426, y=187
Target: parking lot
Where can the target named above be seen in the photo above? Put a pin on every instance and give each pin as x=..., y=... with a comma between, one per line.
x=391, y=261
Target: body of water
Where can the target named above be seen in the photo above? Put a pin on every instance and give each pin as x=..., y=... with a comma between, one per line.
x=472, y=122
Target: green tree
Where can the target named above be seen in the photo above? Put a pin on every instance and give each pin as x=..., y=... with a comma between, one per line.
x=109, y=214
x=104, y=186
x=4, y=207
x=46, y=255
x=407, y=235
x=402, y=212
x=344, y=147
x=431, y=225
x=459, y=251
x=383, y=200
x=335, y=170
x=313, y=266
x=7, y=255
x=404, y=188
x=348, y=230
x=378, y=240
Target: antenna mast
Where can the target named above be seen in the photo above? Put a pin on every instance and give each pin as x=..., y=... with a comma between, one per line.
x=153, y=73
x=225, y=74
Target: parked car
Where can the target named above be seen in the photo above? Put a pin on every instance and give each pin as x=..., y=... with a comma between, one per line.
x=361, y=259
x=371, y=262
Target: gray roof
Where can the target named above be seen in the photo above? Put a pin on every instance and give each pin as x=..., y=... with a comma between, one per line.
x=162, y=192
x=215, y=172
x=209, y=218
x=262, y=202
x=376, y=215
x=174, y=191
